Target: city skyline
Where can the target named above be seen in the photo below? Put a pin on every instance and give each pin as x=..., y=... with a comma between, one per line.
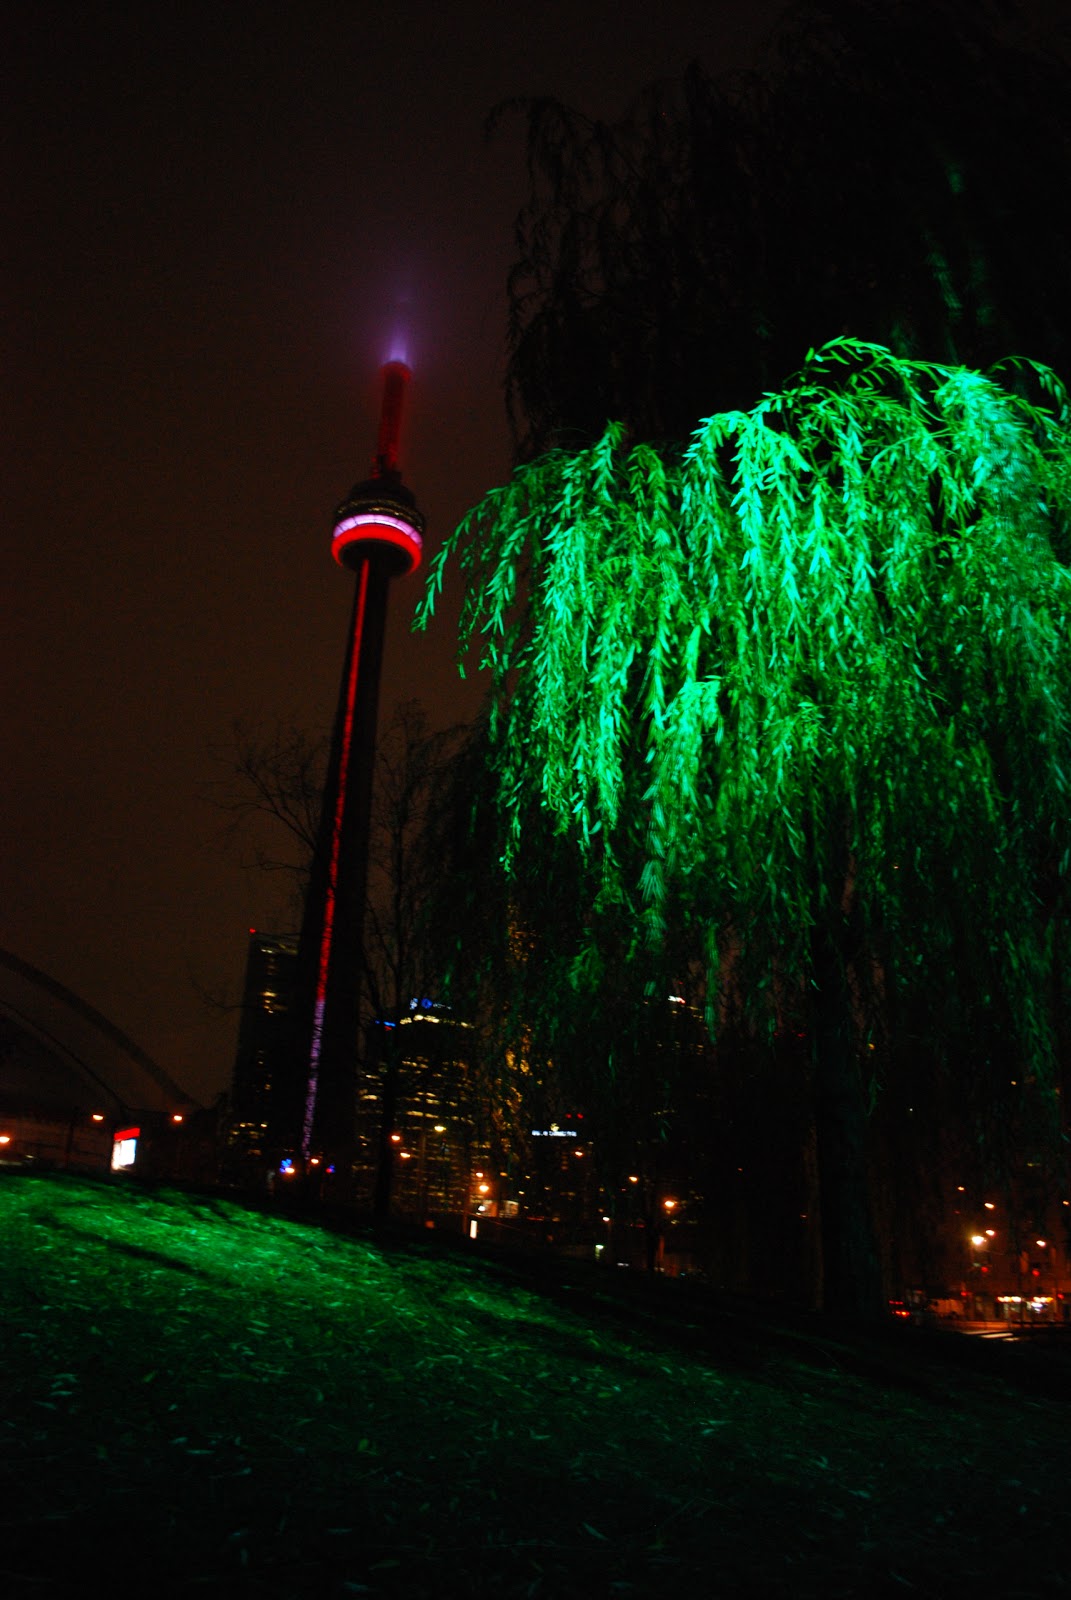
x=220, y=226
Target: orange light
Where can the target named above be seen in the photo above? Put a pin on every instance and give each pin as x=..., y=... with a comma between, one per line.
x=5, y=1138
x=176, y=1116
x=97, y=1116
x=395, y=1138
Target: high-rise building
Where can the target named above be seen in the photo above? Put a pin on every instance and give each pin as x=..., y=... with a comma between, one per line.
x=263, y=1058
x=424, y=1122
x=378, y=537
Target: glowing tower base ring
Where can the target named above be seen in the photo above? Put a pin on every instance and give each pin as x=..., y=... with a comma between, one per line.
x=355, y=530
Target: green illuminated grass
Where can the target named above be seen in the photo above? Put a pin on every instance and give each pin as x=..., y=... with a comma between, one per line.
x=203, y=1399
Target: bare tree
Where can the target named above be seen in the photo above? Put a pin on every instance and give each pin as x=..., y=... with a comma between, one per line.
x=273, y=793
x=410, y=770
x=274, y=776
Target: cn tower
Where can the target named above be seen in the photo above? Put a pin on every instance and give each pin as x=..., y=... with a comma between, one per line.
x=378, y=537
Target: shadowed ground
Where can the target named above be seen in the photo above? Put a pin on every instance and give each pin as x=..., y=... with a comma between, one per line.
x=204, y=1399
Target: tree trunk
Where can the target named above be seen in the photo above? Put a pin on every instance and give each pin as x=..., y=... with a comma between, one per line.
x=851, y=1276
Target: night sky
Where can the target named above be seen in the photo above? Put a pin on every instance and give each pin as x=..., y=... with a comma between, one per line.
x=217, y=218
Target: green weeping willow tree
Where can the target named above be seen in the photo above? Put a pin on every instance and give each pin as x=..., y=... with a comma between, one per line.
x=802, y=688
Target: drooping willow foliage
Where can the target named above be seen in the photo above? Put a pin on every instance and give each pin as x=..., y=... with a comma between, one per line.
x=816, y=663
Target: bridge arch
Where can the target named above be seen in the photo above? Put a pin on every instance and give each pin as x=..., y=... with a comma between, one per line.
x=69, y=1078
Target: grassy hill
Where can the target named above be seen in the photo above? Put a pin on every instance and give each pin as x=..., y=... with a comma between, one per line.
x=205, y=1399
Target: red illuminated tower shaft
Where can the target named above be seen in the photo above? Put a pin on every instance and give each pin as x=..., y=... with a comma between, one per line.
x=378, y=536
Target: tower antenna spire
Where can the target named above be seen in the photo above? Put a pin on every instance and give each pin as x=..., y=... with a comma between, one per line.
x=395, y=375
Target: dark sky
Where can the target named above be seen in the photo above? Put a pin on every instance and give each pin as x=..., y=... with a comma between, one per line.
x=213, y=212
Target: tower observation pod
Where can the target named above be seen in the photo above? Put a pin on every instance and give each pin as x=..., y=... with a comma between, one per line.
x=378, y=536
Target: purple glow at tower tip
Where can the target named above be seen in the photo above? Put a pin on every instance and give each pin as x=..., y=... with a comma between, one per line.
x=398, y=347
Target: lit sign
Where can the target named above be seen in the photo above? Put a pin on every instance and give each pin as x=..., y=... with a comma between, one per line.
x=125, y=1148
x=554, y=1133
